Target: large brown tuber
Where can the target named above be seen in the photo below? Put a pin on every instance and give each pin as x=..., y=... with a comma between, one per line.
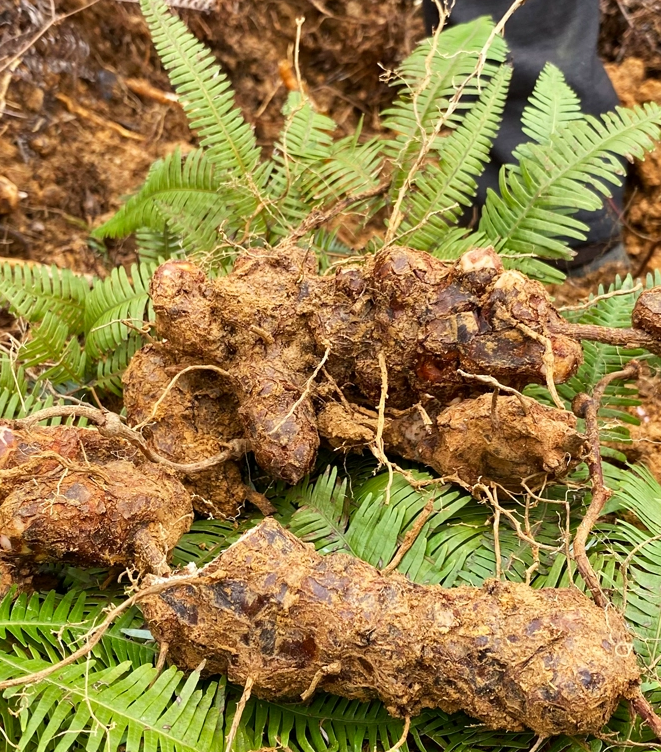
x=69, y=494
x=272, y=611
x=401, y=315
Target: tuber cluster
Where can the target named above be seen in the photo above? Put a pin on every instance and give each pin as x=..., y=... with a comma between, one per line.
x=273, y=613
x=289, y=342
x=69, y=494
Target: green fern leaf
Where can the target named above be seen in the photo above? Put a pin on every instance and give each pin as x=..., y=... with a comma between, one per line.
x=204, y=93
x=48, y=624
x=12, y=375
x=69, y=367
x=116, y=706
x=187, y=185
x=430, y=75
x=110, y=368
x=442, y=192
x=327, y=724
x=154, y=247
x=46, y=341
x=456, y=241
x=33, y=290
x=113, y=300
x=552, y=105
x=568, y=173
x=208, y=538
x=351, y=168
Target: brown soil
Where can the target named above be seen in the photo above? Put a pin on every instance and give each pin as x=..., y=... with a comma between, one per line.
x=635, y=84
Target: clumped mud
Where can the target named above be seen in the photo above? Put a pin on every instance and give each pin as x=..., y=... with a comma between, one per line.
x=400, y=322
x=195, y=416
x=68, y=494
x=272, y=610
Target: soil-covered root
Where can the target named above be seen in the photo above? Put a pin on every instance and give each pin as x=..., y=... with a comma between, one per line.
x=272, y=611
x=273, y=320
x=196, y=415
x=68, y=494
x=506, y=440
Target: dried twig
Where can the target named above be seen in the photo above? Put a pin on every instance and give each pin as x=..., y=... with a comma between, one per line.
x=319, y=217
x=499, y=387
x=410, y=537
x=76, y=109
x=240, y=707
x=305, y=393
x=588, y=407
x=599, y=298
x=402, y=739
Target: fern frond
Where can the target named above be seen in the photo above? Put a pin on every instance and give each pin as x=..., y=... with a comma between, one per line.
x=327, y=724
x=14, y=405
x=153, y=246
x=12, y=375
x=204, y=93
x=109, y=369
x=33, y=290
x=116, y=706
x=570, y=172
x=69, y=366
x=430, y=75
x=208, y=538
x=552, y=105
x=185, y=184
x=45, y=342
x=352, y=167
x=113, y=300
x=49, y=624
x=441, y=193
x=310, y=169
x=198, y=229
x=456, y=241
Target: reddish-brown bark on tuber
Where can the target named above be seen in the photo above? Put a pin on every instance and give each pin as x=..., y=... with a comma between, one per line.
x=272, y=611
x=69, y=494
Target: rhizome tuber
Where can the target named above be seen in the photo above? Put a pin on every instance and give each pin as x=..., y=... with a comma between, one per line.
x=399, y=353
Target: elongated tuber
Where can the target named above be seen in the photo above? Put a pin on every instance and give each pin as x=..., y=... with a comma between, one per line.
x=68, y=494
x=272, y=611
x=488, y=439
